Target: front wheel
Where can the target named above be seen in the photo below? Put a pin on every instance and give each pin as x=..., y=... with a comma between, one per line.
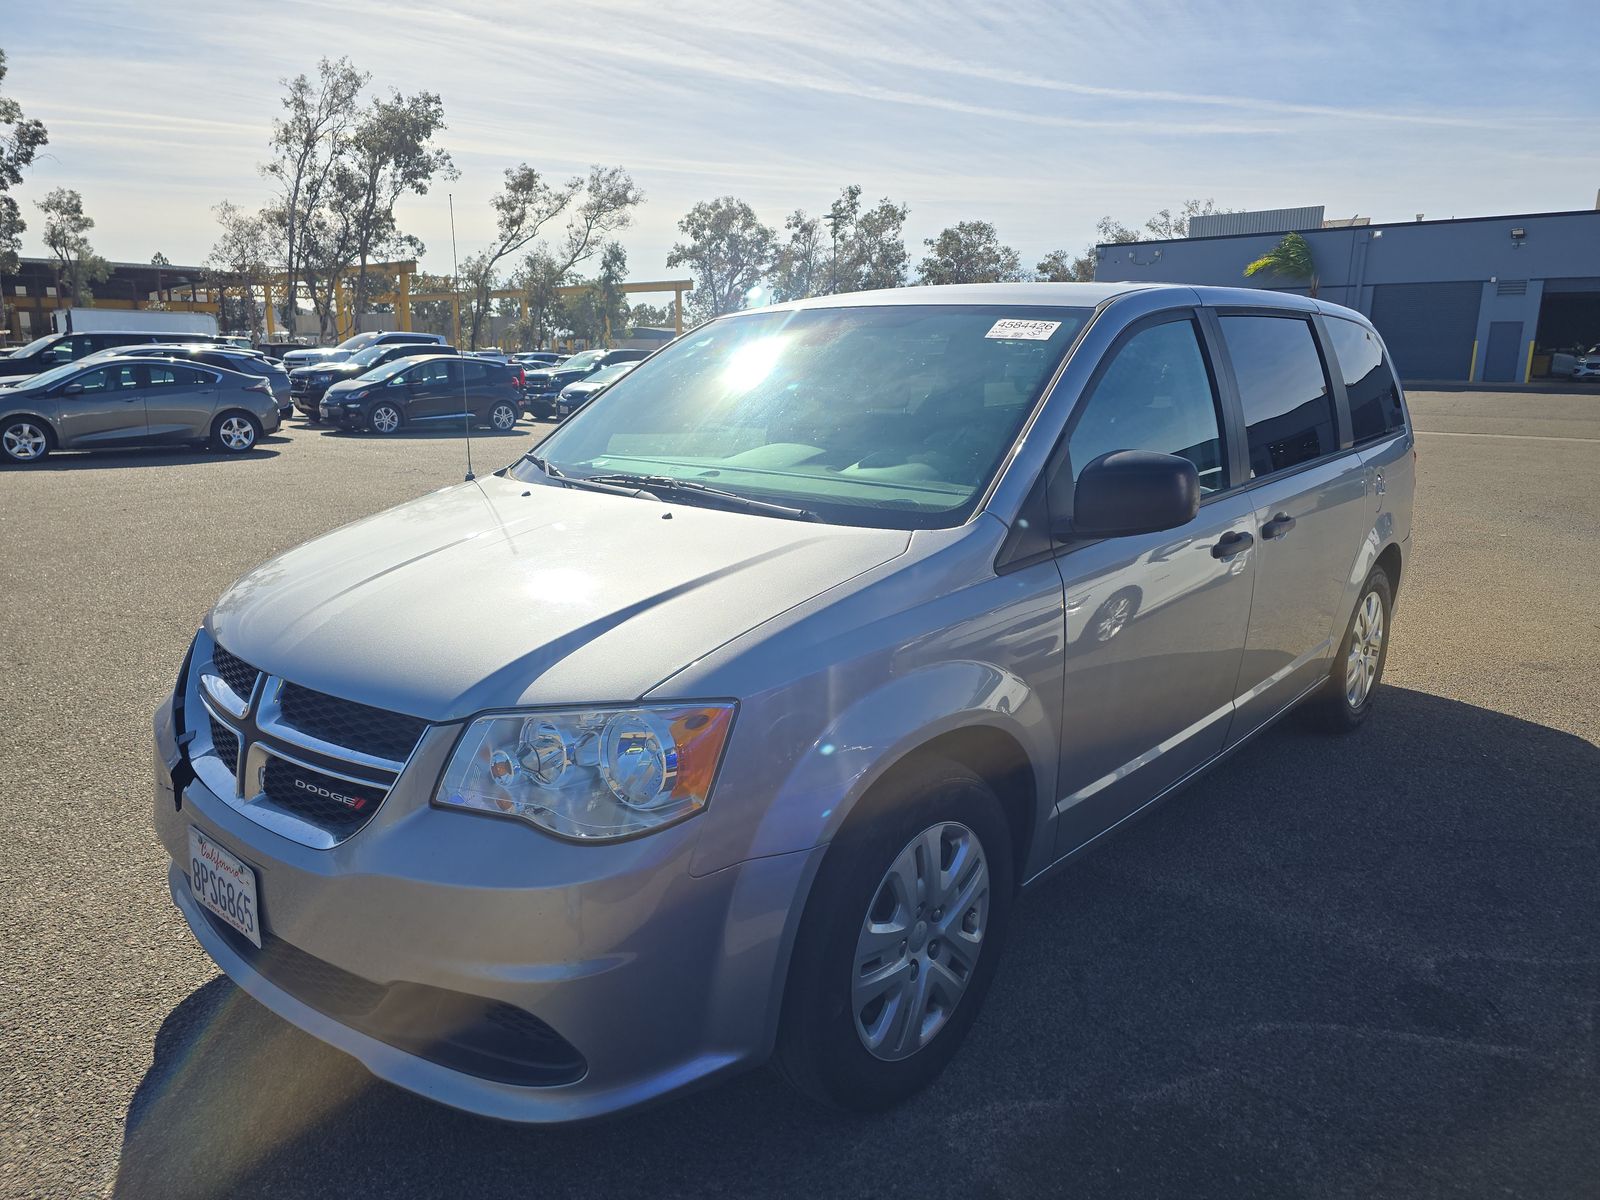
x=1357, y=668
x=503, y=416
x=24, y=440
x=235, y=433
x=384, y=418
x=899, y=940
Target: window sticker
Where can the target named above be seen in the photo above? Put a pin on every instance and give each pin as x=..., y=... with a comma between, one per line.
x=1026, y=331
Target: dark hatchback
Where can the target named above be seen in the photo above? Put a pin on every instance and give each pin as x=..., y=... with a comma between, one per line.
x=309, y=384
x=419, y=391
x=542, y=387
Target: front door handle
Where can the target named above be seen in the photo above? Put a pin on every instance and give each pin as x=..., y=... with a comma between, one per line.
x=1231, y=544
x=1278, y=526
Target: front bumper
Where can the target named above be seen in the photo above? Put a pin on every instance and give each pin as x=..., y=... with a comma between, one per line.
x=659, y=979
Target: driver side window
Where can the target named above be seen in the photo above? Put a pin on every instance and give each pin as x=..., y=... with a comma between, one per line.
x=1157, y=394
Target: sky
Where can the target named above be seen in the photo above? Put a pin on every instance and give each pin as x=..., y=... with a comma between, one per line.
x=1038, y=117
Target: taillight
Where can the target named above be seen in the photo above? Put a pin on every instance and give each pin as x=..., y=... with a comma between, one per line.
x=521, y=377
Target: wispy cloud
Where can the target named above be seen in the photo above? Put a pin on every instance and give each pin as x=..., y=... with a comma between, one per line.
x=1038, y=116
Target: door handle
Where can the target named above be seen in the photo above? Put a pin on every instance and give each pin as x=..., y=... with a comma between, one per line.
x=1231, y=544
x=1278, y=526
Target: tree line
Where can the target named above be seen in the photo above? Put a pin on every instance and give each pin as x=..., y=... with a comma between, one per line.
x=341, y=159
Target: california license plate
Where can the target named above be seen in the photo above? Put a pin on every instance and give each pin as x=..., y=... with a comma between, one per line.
x=223, y=884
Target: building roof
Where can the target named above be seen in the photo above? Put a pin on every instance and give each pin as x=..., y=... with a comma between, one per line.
x=1222, y=237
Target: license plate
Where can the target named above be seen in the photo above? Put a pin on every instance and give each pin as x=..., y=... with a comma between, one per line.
x=223, y=884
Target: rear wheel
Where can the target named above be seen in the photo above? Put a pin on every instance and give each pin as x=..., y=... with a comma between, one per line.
x=503, y=416
x=1357, y=668
x=899, y=940
x=384, y=418
x=235, y=432
x=24, y=439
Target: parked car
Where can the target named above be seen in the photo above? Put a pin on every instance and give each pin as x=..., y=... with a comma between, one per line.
x=542, y=387
x=309, y=384
x=53, y=349
x=313, y=355
x=729, y=721
x=575, y=395
x=417, y=392
x=230, y=358
x=538, y=359
x=276, y=350
x=1587, y=365
x=134, y=401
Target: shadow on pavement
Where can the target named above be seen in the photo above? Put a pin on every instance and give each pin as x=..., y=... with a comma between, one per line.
x=1360, y=966
x=154, y=456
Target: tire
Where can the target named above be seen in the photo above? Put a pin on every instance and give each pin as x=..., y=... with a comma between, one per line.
x=385, y=418
x=842, y=1044
x=503, y=416
x=1352, y=686
x=235, y=432
x=25, y=439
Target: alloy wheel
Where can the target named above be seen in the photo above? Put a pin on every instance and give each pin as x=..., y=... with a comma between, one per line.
x=237, y=433
x=1366, y=648
x=385, y=419
x=503, y=417
x=25, y=441
x=920, y=941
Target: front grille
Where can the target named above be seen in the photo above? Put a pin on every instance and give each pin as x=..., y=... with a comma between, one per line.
x=472, y=1034
x=326, y=801
x=226, y=744
x=234, y=671
x=373, y=731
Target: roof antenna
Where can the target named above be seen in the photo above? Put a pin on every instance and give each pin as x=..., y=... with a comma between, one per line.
x=455, y=286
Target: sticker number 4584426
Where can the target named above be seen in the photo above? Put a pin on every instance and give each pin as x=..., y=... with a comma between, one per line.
x=1027, y=331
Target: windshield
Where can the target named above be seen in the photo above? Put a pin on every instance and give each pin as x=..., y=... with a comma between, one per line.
x=582, y=362
x=389, y=369
x=893, y=416
x=369, y=356
x=35, y=346
x=607, y=374
x=53, y=376
x=360, y=342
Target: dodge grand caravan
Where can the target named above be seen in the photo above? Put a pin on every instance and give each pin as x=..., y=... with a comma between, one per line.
x=728, y=723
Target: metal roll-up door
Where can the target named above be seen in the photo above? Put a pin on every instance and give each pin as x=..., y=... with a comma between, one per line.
x=1429, y=327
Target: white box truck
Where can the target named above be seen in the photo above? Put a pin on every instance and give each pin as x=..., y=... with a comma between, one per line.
x=127, y=320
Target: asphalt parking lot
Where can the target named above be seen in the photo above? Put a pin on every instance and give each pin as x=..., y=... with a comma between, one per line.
x=1351, y=967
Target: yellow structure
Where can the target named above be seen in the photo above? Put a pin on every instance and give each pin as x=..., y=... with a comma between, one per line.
x=402, y=298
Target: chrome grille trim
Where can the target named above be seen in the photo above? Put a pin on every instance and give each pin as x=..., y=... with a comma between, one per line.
x=256, y=722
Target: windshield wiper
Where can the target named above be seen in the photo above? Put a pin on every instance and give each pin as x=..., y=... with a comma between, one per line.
x=577, y=481
x=667, y=485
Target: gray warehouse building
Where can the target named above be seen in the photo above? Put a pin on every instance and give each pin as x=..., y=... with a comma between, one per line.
x=1484, y=299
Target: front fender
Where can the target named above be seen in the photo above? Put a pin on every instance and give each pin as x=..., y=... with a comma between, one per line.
x=830, y=772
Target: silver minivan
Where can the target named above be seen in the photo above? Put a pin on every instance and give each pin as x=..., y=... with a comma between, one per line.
x=727, y=724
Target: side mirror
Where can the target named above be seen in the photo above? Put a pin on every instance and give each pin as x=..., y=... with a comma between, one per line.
x=72, y=389
x=1134, y=491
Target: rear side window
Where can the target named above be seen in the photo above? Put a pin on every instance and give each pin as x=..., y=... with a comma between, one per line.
x=1156, y=394
x=1288, y=405
x=1369, y=381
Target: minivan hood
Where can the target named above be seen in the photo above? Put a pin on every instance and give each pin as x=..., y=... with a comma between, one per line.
x=496, y=593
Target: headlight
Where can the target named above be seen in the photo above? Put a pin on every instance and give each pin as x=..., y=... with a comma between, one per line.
x=593, y=774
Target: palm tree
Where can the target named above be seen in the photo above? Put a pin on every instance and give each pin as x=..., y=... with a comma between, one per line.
x=1290, y=258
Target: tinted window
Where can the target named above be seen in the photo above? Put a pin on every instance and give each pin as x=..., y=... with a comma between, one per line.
x=1368, y=380
x=1155, y=395
x=106, y=379
x=436, y=371
x=172, y=375
x=1288, y=406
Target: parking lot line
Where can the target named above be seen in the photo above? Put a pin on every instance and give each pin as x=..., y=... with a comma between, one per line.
x=1530, y=437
